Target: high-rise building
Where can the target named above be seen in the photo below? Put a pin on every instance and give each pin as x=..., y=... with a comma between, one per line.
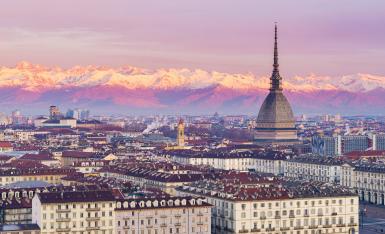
x=275, y=122
x=79, y=114
x=339, y=145
x=54, y=112
x=378, y=141
x=324, y=145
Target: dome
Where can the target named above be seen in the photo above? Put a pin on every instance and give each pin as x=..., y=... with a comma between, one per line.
x=275, y=112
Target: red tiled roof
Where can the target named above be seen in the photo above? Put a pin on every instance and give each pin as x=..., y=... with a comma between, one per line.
x=38, y=157
x=78, y=154
x=5, y=144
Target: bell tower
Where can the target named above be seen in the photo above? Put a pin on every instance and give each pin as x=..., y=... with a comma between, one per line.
x=180, y=136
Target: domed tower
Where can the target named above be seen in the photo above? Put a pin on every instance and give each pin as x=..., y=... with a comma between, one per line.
x=275, y=122
x=180, y=136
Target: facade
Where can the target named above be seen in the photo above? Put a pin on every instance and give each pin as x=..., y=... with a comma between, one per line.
x=163, y=215
x=275, y=121
x=324, y=145
x=51, y=176
x=69, y=158
x=366, y=180
x=74, y=212
x=264, y=162
x=19, y=229
x=378, y=142
x=339, y=145
x=54, y=112
x=274, y=209
x=315, y=168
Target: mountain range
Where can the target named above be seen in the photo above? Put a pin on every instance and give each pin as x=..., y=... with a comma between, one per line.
x=128, y=89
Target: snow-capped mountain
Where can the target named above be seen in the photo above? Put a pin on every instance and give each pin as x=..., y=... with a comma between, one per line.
x=131, y=89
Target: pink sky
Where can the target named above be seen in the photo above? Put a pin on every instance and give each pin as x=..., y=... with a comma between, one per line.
x=323, y=37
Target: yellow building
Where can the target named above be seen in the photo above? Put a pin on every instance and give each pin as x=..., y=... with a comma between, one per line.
x=52, y=176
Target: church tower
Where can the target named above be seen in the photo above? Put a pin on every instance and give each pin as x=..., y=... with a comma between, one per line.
x=180, y=136
x=275, y=122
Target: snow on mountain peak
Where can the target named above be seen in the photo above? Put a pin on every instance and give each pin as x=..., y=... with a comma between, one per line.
x=34, y=77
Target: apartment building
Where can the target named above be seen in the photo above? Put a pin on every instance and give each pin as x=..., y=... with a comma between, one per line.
x=163, y=216
x=74, y=212
x=365, y=179
x=241, y=160
x=316, y=168
x=291, y=207
x=49, y=175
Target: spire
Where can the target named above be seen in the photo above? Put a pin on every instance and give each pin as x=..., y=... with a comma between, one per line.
x=275, y=78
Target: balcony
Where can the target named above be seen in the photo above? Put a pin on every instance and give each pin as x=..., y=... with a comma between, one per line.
x=284, y=228
x=352, y=224
x=298, y=228
x=63, y=229
x=178, y=215
x=255, y=230
x=93, y=209
x=163, y=225
x=200, y=214
x=263, y=217
x=92, y=218
x=277, y=217
x=334, y=213
x=327, y=226
x=200, y=223
x=178, y=224
x=340, y=225
x=92, y=228
x=63, y=219
x=270, y=229
x=63, y=210
x=243, y=231
x=291, y=216
x=313, y=226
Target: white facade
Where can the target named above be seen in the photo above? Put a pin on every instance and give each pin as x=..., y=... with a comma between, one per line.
x=312, y=171
x=74, y=217
x=335, y=214
x=158, y=216
x=235, y=163
x=368, y=184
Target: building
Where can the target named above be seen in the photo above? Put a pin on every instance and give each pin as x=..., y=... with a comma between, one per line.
x=241, y=160
x=378, y=142
x=275, y=121
x=163, y=215
x=68, y=158
x=51, y=176
x=366, y=180
x=313, y=168
x=267, y=206
x=17, y=210
x=79, y=114
x=180, y=136
x=6, y=146
x=74, y=211
x=339, y=145
x=54, y=112
x=20, y=229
